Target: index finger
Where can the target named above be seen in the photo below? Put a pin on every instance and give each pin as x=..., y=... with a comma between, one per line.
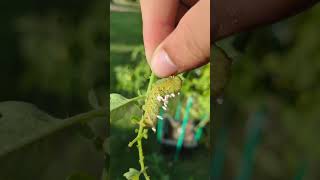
x=159, y=20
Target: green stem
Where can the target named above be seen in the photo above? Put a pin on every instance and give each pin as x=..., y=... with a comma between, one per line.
x=132, y=99
x=137, y=98
x=140, y=150
x=139, y=137
x=151, y=81
x=138, y=140
x=80, y=118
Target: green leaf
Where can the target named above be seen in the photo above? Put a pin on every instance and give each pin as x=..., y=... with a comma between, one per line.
x=117, y=101
x=123, y=108
x=35, y=145
x=132, y=174
x=21, y=122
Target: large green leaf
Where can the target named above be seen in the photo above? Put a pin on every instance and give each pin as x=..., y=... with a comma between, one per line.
x=19, y=123
x=35, y=145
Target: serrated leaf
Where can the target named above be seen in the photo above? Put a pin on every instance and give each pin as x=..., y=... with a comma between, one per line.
x=132, y=174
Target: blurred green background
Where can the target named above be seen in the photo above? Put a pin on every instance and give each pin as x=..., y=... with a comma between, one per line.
x=268, y=124
x=129, y=75
x=53, y=53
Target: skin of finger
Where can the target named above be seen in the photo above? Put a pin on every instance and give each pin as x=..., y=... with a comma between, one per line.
x=189, y=44
x=159, y=20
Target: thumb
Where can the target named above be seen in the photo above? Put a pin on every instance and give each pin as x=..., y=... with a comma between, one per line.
x=188, y=46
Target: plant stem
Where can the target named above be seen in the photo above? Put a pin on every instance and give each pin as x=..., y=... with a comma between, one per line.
x=151, y=81
x=137, y=98
x=140, y=135
x=141, y=157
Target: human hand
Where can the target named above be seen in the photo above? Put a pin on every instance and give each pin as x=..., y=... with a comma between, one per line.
x=176, y=34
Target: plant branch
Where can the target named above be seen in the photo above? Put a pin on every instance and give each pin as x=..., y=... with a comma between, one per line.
x=151, y=81
x=141, y=135
x=138, y=140
x=137, y=98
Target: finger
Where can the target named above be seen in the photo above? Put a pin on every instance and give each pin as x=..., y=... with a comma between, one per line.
x=184, y=6
x=188, y=46
x=182, y=9
x=234, y=16
x=158, y=22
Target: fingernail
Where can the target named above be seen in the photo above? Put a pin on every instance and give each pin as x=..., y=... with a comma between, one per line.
x=162, y=65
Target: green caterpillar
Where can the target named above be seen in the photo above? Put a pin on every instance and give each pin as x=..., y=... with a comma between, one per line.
x=163, y=87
